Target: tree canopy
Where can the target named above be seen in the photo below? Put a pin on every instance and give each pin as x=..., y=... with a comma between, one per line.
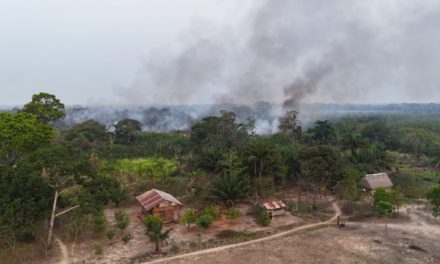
x=46, y=107
x=20, y=134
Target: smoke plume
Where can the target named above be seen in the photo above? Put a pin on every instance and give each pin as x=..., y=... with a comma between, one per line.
x=289, y=52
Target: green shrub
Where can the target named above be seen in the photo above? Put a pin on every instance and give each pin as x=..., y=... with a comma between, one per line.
x=175, y=248
x=189, y=217
x=122, y=219
x=232, y=213
x=213, y=211
x=204, y=220
x=98, y=249
x=99, y=222
x=127, y=238
x=262, y=217
x=232, y=234
x=110, y=234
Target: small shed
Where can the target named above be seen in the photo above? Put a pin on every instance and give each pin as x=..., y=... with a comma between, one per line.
x=378, y=180
x=161, y=204
x=275, y=208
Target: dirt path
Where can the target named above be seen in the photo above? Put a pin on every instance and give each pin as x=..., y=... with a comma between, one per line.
x=64, y=252
x=217, y=249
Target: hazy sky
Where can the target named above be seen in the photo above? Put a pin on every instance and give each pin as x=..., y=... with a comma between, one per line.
x=82, y=50
x=202, y=51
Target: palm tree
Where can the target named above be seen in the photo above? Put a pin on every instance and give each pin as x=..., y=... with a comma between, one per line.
x=353, y=141
x=229, y=188
x=154, y=230
x=261, y=156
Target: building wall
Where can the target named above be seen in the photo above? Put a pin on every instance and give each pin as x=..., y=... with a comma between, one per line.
x=167, y=213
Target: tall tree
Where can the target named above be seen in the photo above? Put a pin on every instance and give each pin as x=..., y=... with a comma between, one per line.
x=25, y=202
x=90, y=129
x=320, y=168
x=353, y=141
x=126, y=129
x=20, y=134
x=213, y=135
x=290, y=125
x=46, y=107
x=261, y=157
x=61, y=168
x=323, y=132
x=291, y=159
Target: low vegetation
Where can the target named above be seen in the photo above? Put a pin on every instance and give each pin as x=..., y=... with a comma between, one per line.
x=262, y=217
x=232, y=234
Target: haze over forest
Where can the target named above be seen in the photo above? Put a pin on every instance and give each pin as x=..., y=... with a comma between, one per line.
x=211, y=52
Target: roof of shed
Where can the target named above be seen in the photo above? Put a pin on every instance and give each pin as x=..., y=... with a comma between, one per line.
x=154, y=197
x=273, y=205
x=378, y=180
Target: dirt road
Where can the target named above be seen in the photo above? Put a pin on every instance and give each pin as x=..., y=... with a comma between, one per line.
x=264, y=239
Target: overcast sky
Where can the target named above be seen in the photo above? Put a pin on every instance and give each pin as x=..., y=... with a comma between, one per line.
x=204, y=51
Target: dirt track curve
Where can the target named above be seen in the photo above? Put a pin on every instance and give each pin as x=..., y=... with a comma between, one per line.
x=63, y=250
x=217, y=249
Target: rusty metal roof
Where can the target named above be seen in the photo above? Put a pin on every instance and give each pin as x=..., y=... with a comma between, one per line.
x=374, y=181
x=274, y=205
x=154, y=197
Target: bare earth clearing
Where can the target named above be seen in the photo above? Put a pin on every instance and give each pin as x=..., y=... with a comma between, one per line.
x=116, y=251
x=415, y=241
x=412, y=239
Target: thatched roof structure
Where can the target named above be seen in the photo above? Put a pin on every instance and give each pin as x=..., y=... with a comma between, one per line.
x=378, y=180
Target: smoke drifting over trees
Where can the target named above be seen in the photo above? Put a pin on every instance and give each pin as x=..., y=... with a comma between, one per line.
x=292, y=51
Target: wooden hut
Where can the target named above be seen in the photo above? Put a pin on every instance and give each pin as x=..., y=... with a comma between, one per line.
x=379, y=180
x=161, y=204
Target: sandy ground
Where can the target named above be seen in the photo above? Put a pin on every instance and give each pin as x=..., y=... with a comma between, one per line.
x=331, y=245
x=412, y=238
x=413, y=241
x=116, y=251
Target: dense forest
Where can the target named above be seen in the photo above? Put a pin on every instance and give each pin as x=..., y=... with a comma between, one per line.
x=63, y=178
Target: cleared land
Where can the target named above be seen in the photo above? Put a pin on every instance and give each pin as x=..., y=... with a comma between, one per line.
x=411, y=240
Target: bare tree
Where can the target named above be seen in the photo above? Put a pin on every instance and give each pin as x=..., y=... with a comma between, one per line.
x=290, y=125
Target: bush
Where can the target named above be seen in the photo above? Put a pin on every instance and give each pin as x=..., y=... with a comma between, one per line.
x=232, y=234
x=98, y=249
x=262, y=217
x=213, y=211
x=122, y=219
x=127, y=238
x=204, y=220
x=110, y=234
x=232, y=213
x=358, y=211
x=175, y=248
x=99, y=224
x=189, y=217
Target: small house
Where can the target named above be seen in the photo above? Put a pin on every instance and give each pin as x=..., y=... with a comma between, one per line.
x=161, y=204
x=275, y=208
x=379, y=180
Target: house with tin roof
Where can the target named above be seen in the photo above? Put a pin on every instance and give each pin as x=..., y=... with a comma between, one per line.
x=161, y=204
